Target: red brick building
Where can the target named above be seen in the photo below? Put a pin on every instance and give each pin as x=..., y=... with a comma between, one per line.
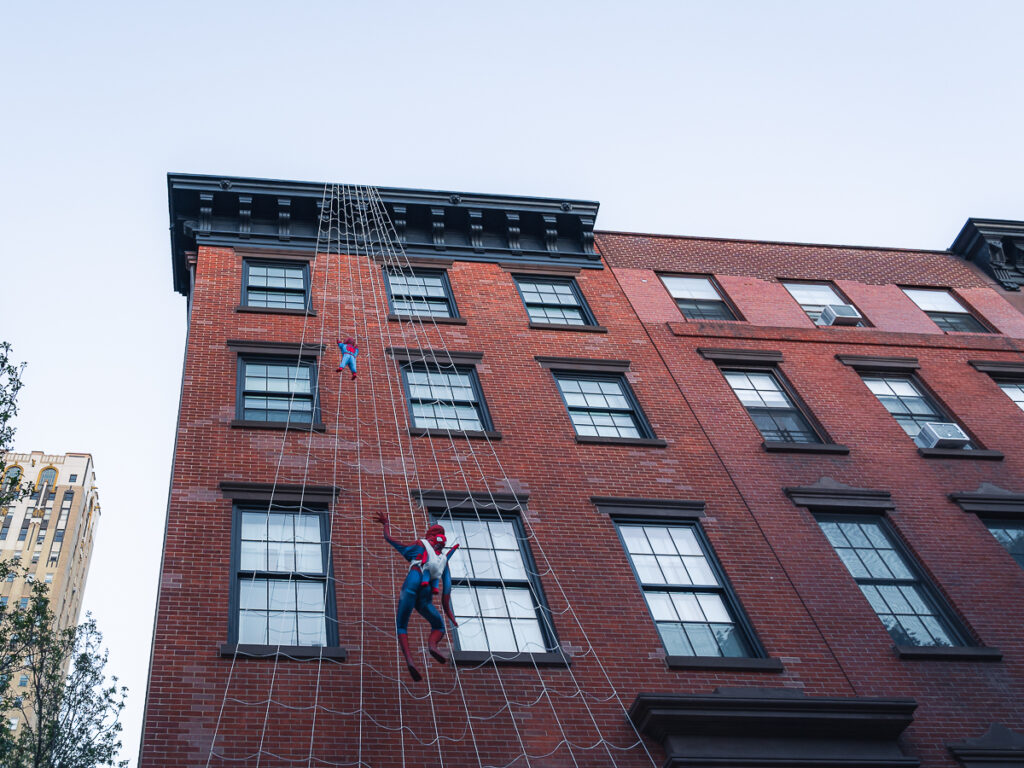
x=697, y=525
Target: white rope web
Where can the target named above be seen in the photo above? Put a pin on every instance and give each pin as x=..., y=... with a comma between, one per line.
x=486, y=715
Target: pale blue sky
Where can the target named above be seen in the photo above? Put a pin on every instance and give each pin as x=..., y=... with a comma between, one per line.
x=850, y=122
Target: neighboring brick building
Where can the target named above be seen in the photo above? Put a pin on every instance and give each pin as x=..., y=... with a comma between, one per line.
x=575, y=417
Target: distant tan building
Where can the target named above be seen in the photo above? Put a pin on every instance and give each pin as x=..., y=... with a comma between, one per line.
x=49, y=531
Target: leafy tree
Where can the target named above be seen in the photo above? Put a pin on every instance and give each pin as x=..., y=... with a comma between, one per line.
x=10, y=385
x=68, y=710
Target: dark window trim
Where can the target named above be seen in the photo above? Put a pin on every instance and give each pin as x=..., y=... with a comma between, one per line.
x=991, y=501
x=588, y=316
x=667, y=509
x=432, y=271
x=833, y=497
x=556, y=658
x=274, y=254
x=732, y=601
x=294, y=350
x=281, y=492
x=864, y=322
x=424, y=319
x=731, y=663
x=428, y=361
x=968, y=309
x=977, y=454
x=825, y=442
x=871, y=363
x=957, y=626
x=314, y=425
x=999, y=369
x=262, y=261
x=997, y=747
x=442, y=357
x=947, y=653
x=723, y=296
x=331, y=609
x=741, y=356
x=582, y=365
x=538, y=270
x=283, y=652
x=477, y=506
x=558, y=327
x=417, y=262
x=470, y=500
x=606, y=373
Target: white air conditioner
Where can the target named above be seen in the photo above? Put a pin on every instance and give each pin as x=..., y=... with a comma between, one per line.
x=840, y=314
x=936, y=434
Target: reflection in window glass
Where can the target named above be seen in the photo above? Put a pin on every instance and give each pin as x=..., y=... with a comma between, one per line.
x=697, y=298
x=444, y=397
x=770, y=407
x=944, y=310
x=1009, y=533
x=600, y=406
x=277, y=391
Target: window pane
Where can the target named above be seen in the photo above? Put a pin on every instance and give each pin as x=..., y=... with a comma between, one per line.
x=690, y=288
x=934, y=300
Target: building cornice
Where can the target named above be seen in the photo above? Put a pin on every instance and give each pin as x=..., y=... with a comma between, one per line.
x=258, y=214
x=995, y=245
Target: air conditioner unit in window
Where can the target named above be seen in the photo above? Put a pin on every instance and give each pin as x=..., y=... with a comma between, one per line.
x=840, y=314
x=935, y=434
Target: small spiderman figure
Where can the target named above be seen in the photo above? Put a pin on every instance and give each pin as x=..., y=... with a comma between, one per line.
x=428, y=575
x=349, y=353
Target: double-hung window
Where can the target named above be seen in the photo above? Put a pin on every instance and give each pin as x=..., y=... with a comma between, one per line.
x=905, y=603
x=698, y=297
x=945, y=310
x=420, y=292
x=275, y=285
x=554, y=301
x=496, y=595
x=277, y=390
x=602, y=406
x=280, y=593
x=1009, y=533
x=814, y=297
x=1014, y=390
x=906, y=400
x=771, y=406
x=445, y=397
x=685, y=590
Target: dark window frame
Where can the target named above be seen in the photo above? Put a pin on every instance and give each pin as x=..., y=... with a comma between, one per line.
x=945, y=415
x=991, y=521
x=728, y=593
x=968, y=311
x=584, y=308
x=955, y=626
x=797, y=402
x=307, y=291
x=723, y=297
x=309, y=361
x=415, y=271
x=236, y=574
x=439, y=513
x=435, y=365
x=862, y=323
x=639, y=417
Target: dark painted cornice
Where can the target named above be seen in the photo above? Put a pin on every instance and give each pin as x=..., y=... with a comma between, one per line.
x=258, y=214
x=995, y=245
x=834, y=496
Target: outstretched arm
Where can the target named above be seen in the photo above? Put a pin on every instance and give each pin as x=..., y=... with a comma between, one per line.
x=408, y=551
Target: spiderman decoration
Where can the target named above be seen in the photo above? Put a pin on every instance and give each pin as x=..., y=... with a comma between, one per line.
x=428, y=575
x=349, y=353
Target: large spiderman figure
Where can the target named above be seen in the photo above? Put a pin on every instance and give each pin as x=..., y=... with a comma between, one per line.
x=428, y=575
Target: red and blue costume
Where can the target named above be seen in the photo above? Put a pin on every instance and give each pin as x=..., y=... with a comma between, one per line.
x=428, y=576
x=349, y=353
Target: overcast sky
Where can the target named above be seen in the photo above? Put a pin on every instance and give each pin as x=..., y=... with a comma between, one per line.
x=877, y=123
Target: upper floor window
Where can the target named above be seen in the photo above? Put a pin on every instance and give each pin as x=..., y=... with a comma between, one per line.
x=420, y=292
x=275, y=285
x=12, y=476
x=814, y=297
x=906, y=604
x=907, y=401
x=445, y=397
x=771, y=406
x=280, y=592
x=276, y=390
x=602, y=406
x=496, y=595
x=552, y=300
x=945, y=310
x=1009, y=533
x=685, y=590
x=698, y=298
x=1015, y=391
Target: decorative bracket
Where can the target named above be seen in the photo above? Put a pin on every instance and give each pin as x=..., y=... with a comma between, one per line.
x=437, y=227
x=550, y=232
x=476, y=230
x=284, y=218
x=205, y=212
x=244, y=216
x=400, y=223
x=512, y=228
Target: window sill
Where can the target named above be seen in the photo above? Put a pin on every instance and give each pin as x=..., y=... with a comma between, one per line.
x=724, y=663
x=249, y=651
x=276, y=311
x=561, y=327
x=426, y=319
x=777, y=446
x=317, y=426
x=551, y=659
x=466, y=434
x=960, y=453
x=650, y=442
x=959, y=653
